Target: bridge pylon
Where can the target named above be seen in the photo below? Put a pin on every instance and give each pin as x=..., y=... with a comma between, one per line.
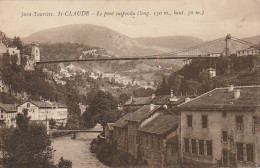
x=228, y=39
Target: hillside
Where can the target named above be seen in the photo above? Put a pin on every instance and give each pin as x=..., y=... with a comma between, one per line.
x=114, y=42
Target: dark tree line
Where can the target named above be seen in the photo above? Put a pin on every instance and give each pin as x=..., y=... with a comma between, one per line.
x=194, y=79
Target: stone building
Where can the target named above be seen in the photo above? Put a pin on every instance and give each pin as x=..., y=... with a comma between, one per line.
x=168, y=101
x=8, y=114
x=33, y=58
x=142, y=116
x=121, y=133
x=137, y=102
x=222, y=127
x=159, y=141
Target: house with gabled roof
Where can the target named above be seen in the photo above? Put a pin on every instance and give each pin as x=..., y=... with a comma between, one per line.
x=121, y=133
x=168, y=101
x=8, y=114
x=222, y=127
x=45, y=110
x=140, y=117
x=159, y=141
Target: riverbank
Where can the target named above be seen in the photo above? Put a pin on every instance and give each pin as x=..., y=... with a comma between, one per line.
x=76, y=150
x=107, y=153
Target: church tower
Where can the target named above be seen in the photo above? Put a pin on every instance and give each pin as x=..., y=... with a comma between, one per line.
x=36, y=52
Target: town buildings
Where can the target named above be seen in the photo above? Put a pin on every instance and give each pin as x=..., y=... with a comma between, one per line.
x=221, y=127
x=149, y=131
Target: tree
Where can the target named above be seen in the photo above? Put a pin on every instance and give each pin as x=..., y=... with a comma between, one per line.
x=123, y=98
x=174, y=82
x=27, y=146
x=18, y=43
x=52, y=123
x=163, y=88
x=64, y=163
x=101, y=104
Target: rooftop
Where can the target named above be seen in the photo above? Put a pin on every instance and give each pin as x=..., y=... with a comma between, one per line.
x=121, y=122
x=142, y=113
x=138, y=101
x=222, y=99
x=162, y=125
x=157, y=100
x=47, y=104
x=9, y=107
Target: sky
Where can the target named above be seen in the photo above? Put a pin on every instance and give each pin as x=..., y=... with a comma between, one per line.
x=240, y=18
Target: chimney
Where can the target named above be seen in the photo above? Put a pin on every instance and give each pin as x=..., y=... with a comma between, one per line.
x=153, y=96
x=151, y=107
x=172, y=93
x=231, y=88
x=236, y=94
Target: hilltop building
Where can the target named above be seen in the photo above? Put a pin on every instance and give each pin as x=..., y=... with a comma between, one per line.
x=221, y=127
x=12, y=51
x=248, y=51
x=33, y=58
x=212, y=72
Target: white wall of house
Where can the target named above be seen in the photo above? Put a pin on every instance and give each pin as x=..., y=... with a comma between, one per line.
x=218, y=122
x=60, y=114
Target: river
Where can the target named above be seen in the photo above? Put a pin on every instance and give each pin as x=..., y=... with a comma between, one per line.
x=77, y=150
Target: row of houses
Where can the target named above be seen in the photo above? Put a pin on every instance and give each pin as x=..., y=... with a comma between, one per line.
x=220, y=127
x=148, y=133
x=38, y=111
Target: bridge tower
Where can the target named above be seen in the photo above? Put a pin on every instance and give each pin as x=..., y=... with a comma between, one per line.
x=35, y=52
x=228, y=39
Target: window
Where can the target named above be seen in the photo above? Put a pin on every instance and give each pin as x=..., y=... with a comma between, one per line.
x=240, y=151
x=249, y=153
x=28, y=105
x=146, y=141
x=201, y=147
x=209, y=148
x=189, y=120
x=254, y=123
x=187, y=145
x=224, y=136
x=152, y=145
x=193, y=146
x=159, y=144
x=239, y=122
x=204, y=121
x=224, y=114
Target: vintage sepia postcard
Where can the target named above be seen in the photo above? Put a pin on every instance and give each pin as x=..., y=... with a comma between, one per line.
x=129, y=84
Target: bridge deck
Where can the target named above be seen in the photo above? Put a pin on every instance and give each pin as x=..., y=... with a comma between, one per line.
x=93, y=131
x=129, y=58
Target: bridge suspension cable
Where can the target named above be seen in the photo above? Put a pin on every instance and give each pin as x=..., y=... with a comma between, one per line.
x=241, y=41
x=198, y=46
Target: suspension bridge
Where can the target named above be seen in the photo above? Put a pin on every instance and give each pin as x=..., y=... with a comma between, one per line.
x=208, y=50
